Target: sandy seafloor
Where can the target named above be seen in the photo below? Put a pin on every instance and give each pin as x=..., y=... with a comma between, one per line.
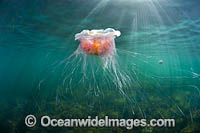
x=37, y=36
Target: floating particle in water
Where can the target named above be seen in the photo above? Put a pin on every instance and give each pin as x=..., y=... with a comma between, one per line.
x=97, y=42
x=160, y=61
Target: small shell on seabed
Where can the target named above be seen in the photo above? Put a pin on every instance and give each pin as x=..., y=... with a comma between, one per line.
x=160, y=61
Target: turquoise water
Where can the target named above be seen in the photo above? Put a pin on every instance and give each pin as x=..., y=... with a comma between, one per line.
x=37, y=37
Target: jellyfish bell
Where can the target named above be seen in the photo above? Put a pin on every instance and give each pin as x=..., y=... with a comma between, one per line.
x=97, y=42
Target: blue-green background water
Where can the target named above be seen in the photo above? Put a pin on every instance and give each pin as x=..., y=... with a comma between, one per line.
x=36, y=35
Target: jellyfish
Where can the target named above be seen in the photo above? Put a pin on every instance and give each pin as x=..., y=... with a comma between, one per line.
x=95, y=62
x=97, y=42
